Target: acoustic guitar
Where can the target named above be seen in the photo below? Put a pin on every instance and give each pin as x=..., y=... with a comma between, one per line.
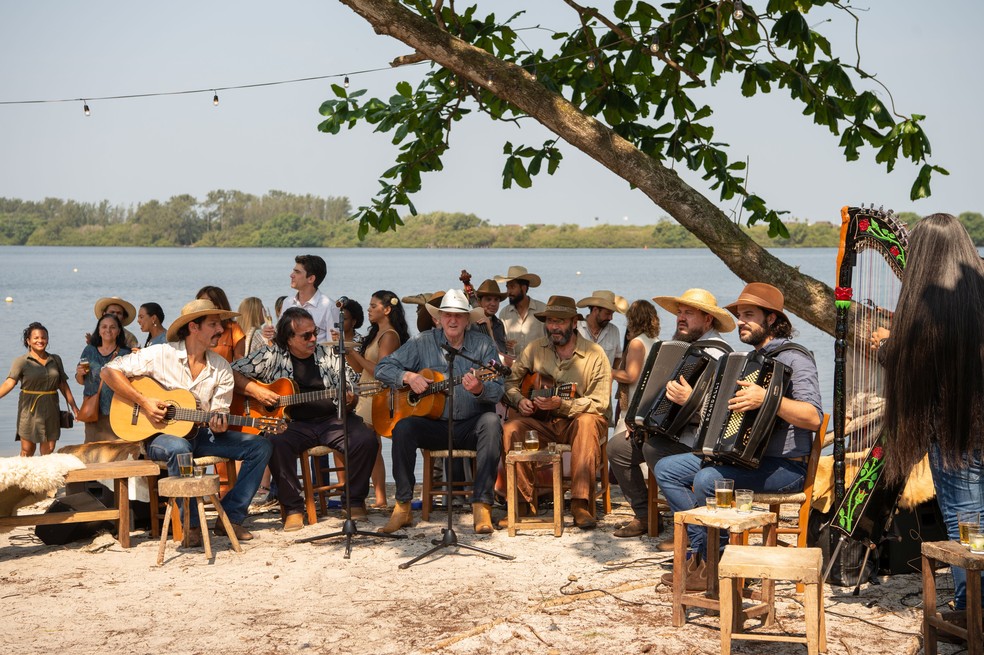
x=390, y=408
x=131, y=424
x=538, y=385
x=243, y=405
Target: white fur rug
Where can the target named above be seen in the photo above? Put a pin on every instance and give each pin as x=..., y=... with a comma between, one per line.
x=25, y=480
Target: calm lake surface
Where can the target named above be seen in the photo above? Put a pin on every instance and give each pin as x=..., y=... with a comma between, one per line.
x=59, y=286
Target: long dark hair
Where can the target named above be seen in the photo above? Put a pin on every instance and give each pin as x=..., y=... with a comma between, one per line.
x=934, y=359
x=397, y=318
x=96, y=339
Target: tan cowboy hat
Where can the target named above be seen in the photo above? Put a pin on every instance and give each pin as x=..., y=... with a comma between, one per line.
x=490, y=288
x=761, y=295
x=196, y=309
x=606, y=300
x=519, y=273
x=100, y=309
x=559, y=307
x=702, y=300
x=455, y=302
x=424, y=298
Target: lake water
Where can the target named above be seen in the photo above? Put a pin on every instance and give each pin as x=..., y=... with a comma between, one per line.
x=59, y=286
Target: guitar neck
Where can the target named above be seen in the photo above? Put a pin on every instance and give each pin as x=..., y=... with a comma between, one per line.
x=307, y=397
x=199, y=416
x=545, y=393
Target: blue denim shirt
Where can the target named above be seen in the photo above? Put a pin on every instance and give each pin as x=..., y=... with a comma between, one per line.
x=786, y=440
x=424, y=351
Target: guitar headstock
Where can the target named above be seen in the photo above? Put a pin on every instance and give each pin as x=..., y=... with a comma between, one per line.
x=369, y=388
x=271, y=425
x=567, y=390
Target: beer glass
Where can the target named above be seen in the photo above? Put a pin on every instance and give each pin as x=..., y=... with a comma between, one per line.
x=724, y=491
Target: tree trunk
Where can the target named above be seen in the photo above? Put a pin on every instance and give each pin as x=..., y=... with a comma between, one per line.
x=807, y=297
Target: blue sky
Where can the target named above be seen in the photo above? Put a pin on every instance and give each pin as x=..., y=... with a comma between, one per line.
x=135, y=150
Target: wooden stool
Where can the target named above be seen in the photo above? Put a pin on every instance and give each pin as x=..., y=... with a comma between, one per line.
x=952, y=553
x=317, y=486
x=800, y=565
x=198, y=461
x=537, y=458
x=431, y=486
x=204, y=488
x=715, y=521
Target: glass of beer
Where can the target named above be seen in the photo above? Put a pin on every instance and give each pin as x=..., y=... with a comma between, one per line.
x=186, y=465
x=531, y=440
x=84, y=365
x=724, y=491
x=968, y=522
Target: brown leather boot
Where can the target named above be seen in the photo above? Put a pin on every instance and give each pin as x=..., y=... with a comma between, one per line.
x=522, y=510
x=402, y=516
x=482, y=518
x=695, y=575
x=583, y=516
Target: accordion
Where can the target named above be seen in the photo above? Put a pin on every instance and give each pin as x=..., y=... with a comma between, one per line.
x=658, y=369
x=740, y=438
x=667, y=419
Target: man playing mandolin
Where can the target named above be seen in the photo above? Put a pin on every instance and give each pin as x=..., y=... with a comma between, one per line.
x=565, y=358
x=313, y=371
x=476, y=426
x=186, y=362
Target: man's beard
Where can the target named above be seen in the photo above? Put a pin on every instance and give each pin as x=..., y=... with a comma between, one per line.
x=754, y=338
x=515, y=300
x=688, y=337
x=602, y=323
x=565, y=334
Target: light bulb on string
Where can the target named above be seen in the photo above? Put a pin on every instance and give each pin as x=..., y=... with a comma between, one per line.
x=533, y=73
x=590, y=65
x=215, y=98
x=654, y=45
x=346, y=82
x=453, y=81
x=490, y=80
x=85, y=107
x=739, y=12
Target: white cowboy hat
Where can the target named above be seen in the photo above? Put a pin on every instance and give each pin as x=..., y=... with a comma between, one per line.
x=606, y=300
x=455, y=302
x=196, y=309
x=519, y=273
x=100, y=309
x=702, y=300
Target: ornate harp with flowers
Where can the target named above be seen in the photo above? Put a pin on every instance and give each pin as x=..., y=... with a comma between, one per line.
x=870, y=261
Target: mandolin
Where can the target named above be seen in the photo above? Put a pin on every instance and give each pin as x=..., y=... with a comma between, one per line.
x=243, y=405
x=538, y=385
x=131, y=424
x=389, y=408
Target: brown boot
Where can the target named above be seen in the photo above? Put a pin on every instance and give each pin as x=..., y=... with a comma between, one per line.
x=482, y=518
x=695, y=575
x=634, y=528
x=402, y=516
x=583, y=516
x=523, y=509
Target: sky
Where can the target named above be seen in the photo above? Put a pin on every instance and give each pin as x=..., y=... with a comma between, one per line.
x=135, y=150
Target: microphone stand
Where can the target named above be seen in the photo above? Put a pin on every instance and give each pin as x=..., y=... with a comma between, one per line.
x=349, y=529
x=450, y=539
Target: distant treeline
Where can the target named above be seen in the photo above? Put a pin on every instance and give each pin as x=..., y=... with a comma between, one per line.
x=282, y=220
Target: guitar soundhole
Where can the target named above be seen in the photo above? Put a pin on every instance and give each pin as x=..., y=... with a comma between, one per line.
x=169, y=414
x=413, y=399
x=269, y=408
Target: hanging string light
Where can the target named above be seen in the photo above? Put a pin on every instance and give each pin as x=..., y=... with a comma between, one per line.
x=215, y=98
x=654, y=44
x=85, y=107
x=739, y=12
x=532, y=72
x=490, y=80
x=591, y=64
x=346, y=82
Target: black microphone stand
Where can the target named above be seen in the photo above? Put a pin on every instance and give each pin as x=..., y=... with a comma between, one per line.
x=450, y=539
x=349, y=529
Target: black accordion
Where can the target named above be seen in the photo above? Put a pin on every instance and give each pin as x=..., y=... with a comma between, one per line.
x=741, y=438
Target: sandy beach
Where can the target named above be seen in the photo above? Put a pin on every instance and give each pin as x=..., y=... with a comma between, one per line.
x=585, y=592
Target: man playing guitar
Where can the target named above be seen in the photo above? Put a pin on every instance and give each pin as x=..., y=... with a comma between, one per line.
x=186, y=362
x=565, y=357
x=476, y=426
x=297, y=355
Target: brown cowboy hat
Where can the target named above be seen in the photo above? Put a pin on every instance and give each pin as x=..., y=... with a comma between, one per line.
x=559, y=307
x=196, y=309
x=490, y=288
x=455, y=302
x=100, y=309
x=702, y=300
x=433, y=299
x=606, y=300
x=761, y=295
x=519, y=273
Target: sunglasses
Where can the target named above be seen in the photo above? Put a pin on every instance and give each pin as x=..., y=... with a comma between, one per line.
x=313, y=334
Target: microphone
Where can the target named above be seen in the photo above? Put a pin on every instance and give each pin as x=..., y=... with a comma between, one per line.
x=499, y=368
x=341, y=301
x=451, y=350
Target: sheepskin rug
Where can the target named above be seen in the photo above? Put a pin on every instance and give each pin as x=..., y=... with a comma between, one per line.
x=26, y=480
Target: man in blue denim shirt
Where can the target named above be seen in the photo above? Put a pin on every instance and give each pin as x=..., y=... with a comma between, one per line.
x=476, y=426
x=682, y=478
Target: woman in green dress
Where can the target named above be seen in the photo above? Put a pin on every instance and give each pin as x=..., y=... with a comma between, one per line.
x=42, y=376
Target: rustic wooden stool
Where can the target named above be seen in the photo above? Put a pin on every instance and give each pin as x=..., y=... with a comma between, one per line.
x=715, y=521
x=203, y=488
x=537, y=458
x=800, y=565
x=432, y=486
x=952, y=553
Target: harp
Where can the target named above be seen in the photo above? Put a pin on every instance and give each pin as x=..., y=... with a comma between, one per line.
x=870, y=261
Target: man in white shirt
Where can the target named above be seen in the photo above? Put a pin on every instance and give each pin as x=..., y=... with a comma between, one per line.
x=187, y=362
x=522, y=327
x=597, y=325
x=306, y=277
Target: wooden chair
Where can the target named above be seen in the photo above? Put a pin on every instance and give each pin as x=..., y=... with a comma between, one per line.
x=656, y=506
x=316, y=481
x=434, y=483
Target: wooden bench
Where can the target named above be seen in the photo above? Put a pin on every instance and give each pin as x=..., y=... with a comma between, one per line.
x=120, y=473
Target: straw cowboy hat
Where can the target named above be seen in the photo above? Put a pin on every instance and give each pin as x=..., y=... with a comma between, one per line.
x=196, y=309
x=100, y=309
x=455, y=302
x=424, y=298
x=519, y=273
x=761, y=295
x=702, y=300
x=606, y=300
x=559, y=307
x=490, y=288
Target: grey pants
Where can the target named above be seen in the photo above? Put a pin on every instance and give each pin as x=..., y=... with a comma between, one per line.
x=625, y=458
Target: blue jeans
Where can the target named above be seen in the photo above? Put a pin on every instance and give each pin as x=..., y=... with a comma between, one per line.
x=252, y=450
x=960, y=490
x=686, y=483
